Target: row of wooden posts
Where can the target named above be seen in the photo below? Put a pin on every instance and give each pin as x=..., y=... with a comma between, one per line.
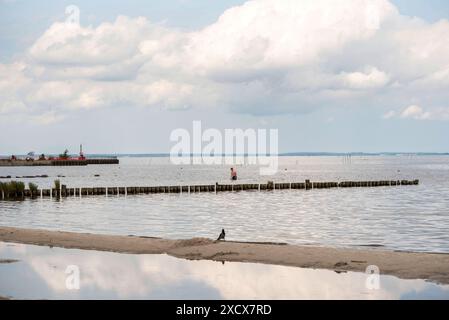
x=269, y=186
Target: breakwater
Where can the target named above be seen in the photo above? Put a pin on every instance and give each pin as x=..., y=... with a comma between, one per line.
x=68, y=162
x=64, y=191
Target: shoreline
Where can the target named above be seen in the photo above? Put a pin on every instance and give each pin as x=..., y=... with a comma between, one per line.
x=405, y=265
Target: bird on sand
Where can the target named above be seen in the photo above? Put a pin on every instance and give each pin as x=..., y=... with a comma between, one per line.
x=222, y=235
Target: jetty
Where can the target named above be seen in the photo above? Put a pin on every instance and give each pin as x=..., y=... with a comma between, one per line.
x=56, y=162
x=64, y=191
x=62, y=160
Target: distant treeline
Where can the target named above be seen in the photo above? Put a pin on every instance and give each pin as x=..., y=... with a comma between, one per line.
x=288, y=154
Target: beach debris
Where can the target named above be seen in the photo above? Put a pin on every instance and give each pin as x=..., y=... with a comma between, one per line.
x=26, y=177
x=8, y=260
x=340, y=271
x=341, y=264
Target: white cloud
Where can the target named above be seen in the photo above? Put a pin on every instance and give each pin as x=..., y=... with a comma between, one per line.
x=263, y=57
x=371, y=78
x=12, y=82
x=390, y=114
x=70, y=44
x=271, y=35
x=47, y=118
x=415, y=112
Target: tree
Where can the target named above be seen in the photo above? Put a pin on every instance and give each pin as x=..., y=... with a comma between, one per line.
x=64, y=155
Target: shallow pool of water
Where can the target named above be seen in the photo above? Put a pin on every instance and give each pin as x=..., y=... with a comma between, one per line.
x=51, y=273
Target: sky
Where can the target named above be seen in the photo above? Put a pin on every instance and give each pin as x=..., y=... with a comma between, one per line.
x=331, y=76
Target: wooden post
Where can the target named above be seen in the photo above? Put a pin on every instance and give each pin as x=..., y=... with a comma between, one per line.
x=63, y=191
x=308, y=186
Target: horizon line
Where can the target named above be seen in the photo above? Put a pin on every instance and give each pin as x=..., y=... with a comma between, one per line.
x=282, y=154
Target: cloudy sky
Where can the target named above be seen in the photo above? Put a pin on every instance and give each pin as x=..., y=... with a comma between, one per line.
x=334, y=76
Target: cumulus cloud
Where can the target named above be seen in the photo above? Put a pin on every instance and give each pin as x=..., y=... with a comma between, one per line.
x=418, y=113
x=47, y=118
x=371, y=78
x=12, y=83
x=70, y=44
x=415, y=112
x=263, y=57
x=390, y=114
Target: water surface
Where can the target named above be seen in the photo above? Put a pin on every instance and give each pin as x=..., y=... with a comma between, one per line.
x=40, y=273
x=414, y=218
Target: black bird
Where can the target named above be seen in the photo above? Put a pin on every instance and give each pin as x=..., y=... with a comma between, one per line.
x=222, y=235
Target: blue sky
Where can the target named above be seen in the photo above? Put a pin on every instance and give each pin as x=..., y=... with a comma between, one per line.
x=367, y=93
x=431, y=10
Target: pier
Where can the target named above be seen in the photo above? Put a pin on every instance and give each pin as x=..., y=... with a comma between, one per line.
x=64, y=159
x=64, y=191
x=56, y=162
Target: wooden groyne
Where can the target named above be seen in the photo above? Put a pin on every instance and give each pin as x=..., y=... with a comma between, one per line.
x=68, y=162
x=64, y=191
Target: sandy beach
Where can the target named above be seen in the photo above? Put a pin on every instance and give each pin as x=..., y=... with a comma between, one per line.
x=405, y=265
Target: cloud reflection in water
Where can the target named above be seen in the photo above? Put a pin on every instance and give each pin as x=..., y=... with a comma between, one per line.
x=40, y=274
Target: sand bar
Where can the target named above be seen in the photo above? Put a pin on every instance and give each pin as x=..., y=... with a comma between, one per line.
x=405, y=265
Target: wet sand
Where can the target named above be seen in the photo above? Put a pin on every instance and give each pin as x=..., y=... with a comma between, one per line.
x=405, y=265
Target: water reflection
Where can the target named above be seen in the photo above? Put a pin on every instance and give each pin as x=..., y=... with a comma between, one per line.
x=40, y=274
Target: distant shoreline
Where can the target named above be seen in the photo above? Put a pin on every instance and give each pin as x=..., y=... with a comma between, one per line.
x=287, y=154
x=405, y=265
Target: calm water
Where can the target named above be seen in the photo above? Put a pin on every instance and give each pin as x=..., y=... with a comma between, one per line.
x=412, y=218
x=40, y=273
